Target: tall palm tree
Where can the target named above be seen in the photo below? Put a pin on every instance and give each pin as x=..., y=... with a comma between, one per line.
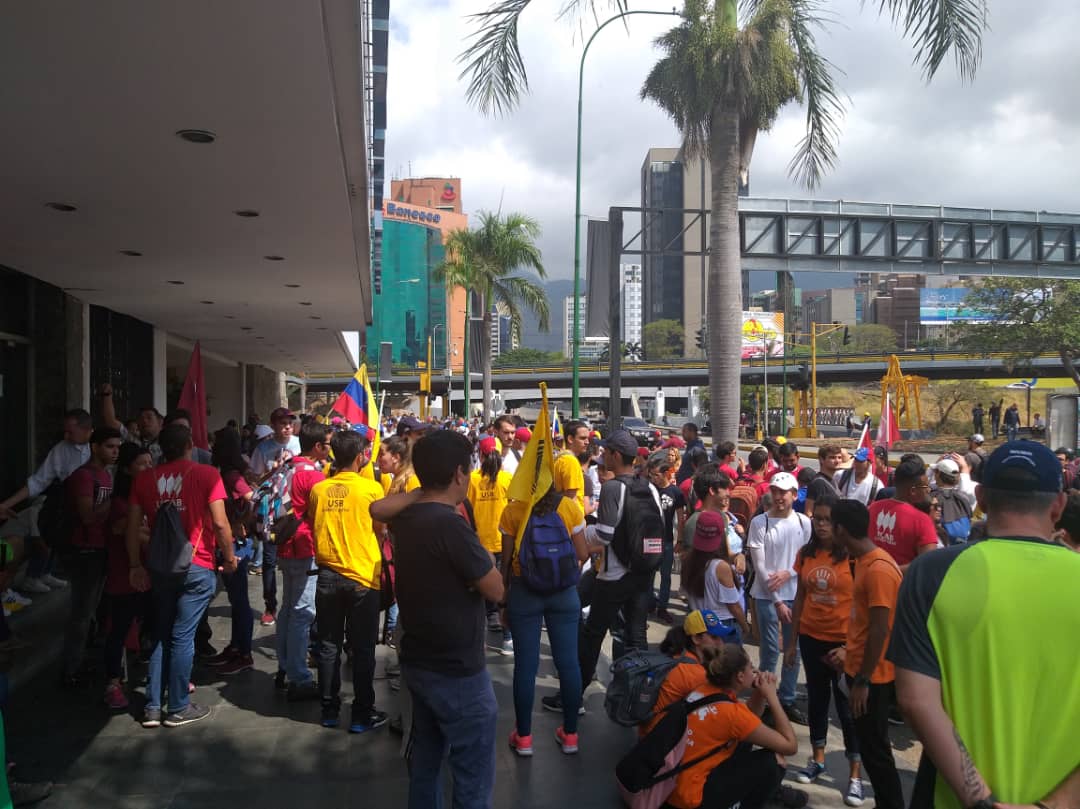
x=722, y=84
x=482, y=262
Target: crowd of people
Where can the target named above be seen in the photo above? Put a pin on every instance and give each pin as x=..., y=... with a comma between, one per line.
x=894, y=588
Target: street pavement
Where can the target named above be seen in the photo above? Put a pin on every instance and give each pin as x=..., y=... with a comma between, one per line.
x=258, y=750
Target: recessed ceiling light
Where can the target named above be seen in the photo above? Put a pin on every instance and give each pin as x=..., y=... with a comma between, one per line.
x=230, y=317
x=305, y=303
x=245, y=328
x=274, y=258
x=246, y=213
x=208, y=303
x=321, y=328
x=258, y=337
x=63, y=207
x=175, y=283
x=132, y=253
x=196, y=135
x=293, y=286
x=314, y=317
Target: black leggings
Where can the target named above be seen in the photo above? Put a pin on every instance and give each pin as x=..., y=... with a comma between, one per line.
x=748, y=778
x=820, y=679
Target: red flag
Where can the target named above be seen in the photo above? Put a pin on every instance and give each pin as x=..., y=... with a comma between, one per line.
x=193, y=399
x=888, y=431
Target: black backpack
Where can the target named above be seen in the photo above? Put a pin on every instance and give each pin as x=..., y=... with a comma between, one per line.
x=643, y=767
x=56, y=519
x=638, y=542
x=636, y=678
x=170, y=550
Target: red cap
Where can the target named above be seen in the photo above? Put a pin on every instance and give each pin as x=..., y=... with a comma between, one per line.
x=709, y=531
x=489, y=445
x=643, y=452
x=523, y=434
x=676, y=442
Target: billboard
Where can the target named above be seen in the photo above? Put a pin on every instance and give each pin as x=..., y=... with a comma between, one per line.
x=761, y=331
x=937, y=307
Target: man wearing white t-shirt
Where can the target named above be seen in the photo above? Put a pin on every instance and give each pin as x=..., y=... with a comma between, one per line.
x=859, y=482
x=774, y=541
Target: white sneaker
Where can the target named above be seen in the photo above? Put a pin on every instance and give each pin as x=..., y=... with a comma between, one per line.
x=10, y=596
x=53, y=582
x=35, y=586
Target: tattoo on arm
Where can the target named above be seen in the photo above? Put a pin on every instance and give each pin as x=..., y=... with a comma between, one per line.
x=974, y=786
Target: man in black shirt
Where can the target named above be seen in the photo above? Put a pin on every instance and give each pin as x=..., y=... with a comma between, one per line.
x=829, y=459
x=444, y=575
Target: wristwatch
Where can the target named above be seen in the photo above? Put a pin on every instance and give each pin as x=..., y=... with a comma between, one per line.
x=986, y=803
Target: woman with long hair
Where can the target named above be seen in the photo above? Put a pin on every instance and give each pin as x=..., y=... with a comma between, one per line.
x=559, y=611
x=399, y=452
x=820, y=621
x=488, y=487
x=127, y=603
x=709, y=578
x=734, y=773
x=229, y=459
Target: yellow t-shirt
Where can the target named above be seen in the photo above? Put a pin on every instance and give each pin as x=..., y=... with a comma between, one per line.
x=488, y=501
x=569, y=477
x=345, y=539
x=386, y=479
x=569, y=512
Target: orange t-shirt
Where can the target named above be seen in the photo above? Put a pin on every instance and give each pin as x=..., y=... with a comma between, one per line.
x=722, y=723
x=680, y=681
x=828, y=585
x=877, y=582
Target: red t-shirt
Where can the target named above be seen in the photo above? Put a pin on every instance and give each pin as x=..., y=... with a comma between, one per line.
x=302, y=543
x=94, y=482
x=687, y=489
x=192, y=487
x=901, y=529
x=730, y=471
x=117, y=571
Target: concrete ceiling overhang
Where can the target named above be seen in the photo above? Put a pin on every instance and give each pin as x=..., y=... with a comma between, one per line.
x=93, y=95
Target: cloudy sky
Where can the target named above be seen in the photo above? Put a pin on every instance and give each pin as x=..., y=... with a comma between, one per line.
x=1005, y=141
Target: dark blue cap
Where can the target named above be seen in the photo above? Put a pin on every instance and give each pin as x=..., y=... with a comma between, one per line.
x=1022, y=466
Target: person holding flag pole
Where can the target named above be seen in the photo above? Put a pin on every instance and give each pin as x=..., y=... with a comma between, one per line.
x=544, y=547
x=357, y=404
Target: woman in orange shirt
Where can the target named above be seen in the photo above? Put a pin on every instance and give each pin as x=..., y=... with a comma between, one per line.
x=820, y=621
x=722, y=734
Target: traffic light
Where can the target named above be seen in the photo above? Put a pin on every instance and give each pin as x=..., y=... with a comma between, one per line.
x=847, y=335
x=802, y=378
x=703, y=339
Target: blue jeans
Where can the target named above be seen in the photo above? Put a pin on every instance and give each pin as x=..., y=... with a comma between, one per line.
x=770, y=648
x=179, y=603
x=243, y=621
x=295, y=618
x=561, y=612
x=1011, y=431
x=455, y=716
x=257, y=559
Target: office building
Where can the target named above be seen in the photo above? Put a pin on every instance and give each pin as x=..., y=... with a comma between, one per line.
x=631, y=303
x=568, y=323
x=828, y=306
x=503, y=338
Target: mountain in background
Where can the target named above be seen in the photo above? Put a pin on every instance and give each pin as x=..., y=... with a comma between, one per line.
x=552, y=340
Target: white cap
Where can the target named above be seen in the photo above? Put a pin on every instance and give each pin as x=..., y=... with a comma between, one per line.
x=263, y=430
x=947, y=466
x=977, y=438
x=784, y=480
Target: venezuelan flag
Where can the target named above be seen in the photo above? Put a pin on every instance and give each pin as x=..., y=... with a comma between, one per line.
x=357, y=404
x=536, y=469
x=556, y=422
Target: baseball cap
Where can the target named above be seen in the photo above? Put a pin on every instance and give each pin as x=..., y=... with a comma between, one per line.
x=700, y=621
x=1022, y=466
x=786, y=481
x=523, y=434
x=281, y=413
x=659, y=459
x=643, y=452
x=621, y=441
x=977, y=438
x=676, y=442
x=948, y=467
x=408, y=424
x=709, y=531
x=263, y=430
x=862, y=454
x=489, y=445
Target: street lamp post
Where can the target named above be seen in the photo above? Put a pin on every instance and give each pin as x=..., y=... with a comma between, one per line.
x=574, y=407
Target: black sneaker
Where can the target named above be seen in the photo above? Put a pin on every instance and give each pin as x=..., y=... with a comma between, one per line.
x=794, y=715
x=302, y=692
x=192, y=713
x=151, y=718
x=362, y=724
x=279, y=681
x=388, y=639
x=790, y=797
x=554, y=704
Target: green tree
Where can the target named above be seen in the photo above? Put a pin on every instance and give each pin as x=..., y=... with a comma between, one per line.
x=1027, y=317
x=630, y=351
x=945, y=396
x=722, y=84
x=528, y=358
x=663, y=340
x=482, y=261
x=872, y=338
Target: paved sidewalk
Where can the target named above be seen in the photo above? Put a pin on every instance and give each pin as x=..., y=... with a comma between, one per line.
x=258, y=750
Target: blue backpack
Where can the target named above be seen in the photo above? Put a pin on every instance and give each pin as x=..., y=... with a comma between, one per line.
x=547, y=557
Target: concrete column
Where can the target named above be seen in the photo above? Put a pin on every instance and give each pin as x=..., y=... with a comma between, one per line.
x=160, y=370
x=77, y=350
x=242, y=379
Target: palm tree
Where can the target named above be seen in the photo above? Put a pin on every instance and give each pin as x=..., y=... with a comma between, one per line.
x=722, y=84
x=482, y=260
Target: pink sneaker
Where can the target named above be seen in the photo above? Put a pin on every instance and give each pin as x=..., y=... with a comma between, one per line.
x=568, y=741
x=522, y=745
x=114, y=698
x=191, y=688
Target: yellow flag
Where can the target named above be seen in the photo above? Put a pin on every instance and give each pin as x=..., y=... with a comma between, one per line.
x=536, y=469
